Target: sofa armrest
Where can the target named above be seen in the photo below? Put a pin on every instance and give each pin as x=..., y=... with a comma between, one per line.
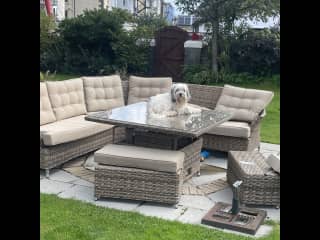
x=262, y=114
x=41, y=140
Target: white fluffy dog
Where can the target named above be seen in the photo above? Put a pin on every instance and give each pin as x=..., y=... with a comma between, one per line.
x=173, y=103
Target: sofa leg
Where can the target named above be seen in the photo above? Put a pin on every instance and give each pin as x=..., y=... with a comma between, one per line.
x=198, y=174
x=47, y=173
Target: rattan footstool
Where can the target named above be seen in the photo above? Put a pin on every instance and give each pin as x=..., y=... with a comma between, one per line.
x=261, y=185
x=139, y=173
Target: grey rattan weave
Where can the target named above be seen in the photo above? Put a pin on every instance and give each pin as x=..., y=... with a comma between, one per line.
x=191, y=165
x=53, y=156
x=137, y=184
x=205, y=96
x=261, y=185
x=208, y=96
x=228, y=143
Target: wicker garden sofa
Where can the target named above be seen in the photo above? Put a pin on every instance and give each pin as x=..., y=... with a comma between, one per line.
x=65, y=134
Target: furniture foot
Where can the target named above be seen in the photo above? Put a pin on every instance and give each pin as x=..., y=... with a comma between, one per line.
x=96, y=199
x=175, y=206
x=47, y=173
x=198, y=174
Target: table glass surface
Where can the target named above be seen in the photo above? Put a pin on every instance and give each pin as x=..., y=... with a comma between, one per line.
x=136, y=116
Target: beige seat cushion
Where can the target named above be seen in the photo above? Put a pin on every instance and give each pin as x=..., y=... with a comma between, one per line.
x=141, y=88
x=245, y=104
x=67, y=98
x=232, y=129
x=140, y=157
x=70, y=129
x=103, y=93
x=46, y=112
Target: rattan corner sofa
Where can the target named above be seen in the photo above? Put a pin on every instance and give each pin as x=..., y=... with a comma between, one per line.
x=65, y=134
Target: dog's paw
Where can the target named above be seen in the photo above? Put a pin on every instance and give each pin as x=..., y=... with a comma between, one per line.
x=187, y=111
x=192, y=110
x=171, y=114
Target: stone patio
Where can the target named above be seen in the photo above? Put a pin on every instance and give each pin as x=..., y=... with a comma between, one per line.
x=191, y=208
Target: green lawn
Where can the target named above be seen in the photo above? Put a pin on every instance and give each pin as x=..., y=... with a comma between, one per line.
x=270, y=127
x=66, y=219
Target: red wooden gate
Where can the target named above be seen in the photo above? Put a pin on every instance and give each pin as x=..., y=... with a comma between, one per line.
x=169, y=53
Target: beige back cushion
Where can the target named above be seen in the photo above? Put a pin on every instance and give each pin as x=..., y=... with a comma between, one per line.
x=67, y=98
x=46, y=112
x=103, y=93
x=245, y=104
x=141, y=88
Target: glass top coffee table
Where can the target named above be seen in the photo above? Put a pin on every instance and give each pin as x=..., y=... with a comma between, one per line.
x=134, y=117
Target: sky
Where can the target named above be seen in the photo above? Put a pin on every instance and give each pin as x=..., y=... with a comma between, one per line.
x=269, y=23
x=177, y=12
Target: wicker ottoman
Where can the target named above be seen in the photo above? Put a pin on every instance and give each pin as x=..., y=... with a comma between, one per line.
x=139, y=173
x=191, y=148
x=261, y=185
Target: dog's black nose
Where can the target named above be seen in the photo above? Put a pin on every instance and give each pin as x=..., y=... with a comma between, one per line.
x=180, y=94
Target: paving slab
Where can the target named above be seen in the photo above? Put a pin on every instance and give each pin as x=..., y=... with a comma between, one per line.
x=192, y=215
x=191, y=208
x=53, y=187
x=79, y=192
x=62, y=176
x=160, y=210
x=263, y=230
x=82, y=182
x=224, y=195
x=125, y=205
x=198, y=202
x=208, y=174
x=217, y=162
x=269, y=146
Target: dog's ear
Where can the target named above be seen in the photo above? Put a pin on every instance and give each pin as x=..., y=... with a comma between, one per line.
x=173, y=96
x=188, y=93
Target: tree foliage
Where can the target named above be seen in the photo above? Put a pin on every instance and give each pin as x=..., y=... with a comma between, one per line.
x=220, y=15
x=47, y=25
x=97, y=43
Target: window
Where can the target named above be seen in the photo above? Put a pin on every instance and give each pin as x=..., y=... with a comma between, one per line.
x=184, y=20
x=66, y=14
x=123, y=2
x=54, y=11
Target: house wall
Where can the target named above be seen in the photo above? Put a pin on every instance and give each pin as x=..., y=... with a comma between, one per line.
x=77, y=7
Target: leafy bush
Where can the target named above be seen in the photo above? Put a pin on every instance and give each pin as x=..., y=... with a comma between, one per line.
x=41, y=77
x=255, y=52
x=96, y=43
x=53, y=58
x=47, y=26
x=198, y=74
x=93, y=41
x=202, y=74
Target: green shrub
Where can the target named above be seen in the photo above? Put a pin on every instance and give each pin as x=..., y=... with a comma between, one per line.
x=96, y=43
x=202, y=74
x=92, y=41
x=41, y=77
x=47, y=26
x=53, y=58
x=256, y=52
